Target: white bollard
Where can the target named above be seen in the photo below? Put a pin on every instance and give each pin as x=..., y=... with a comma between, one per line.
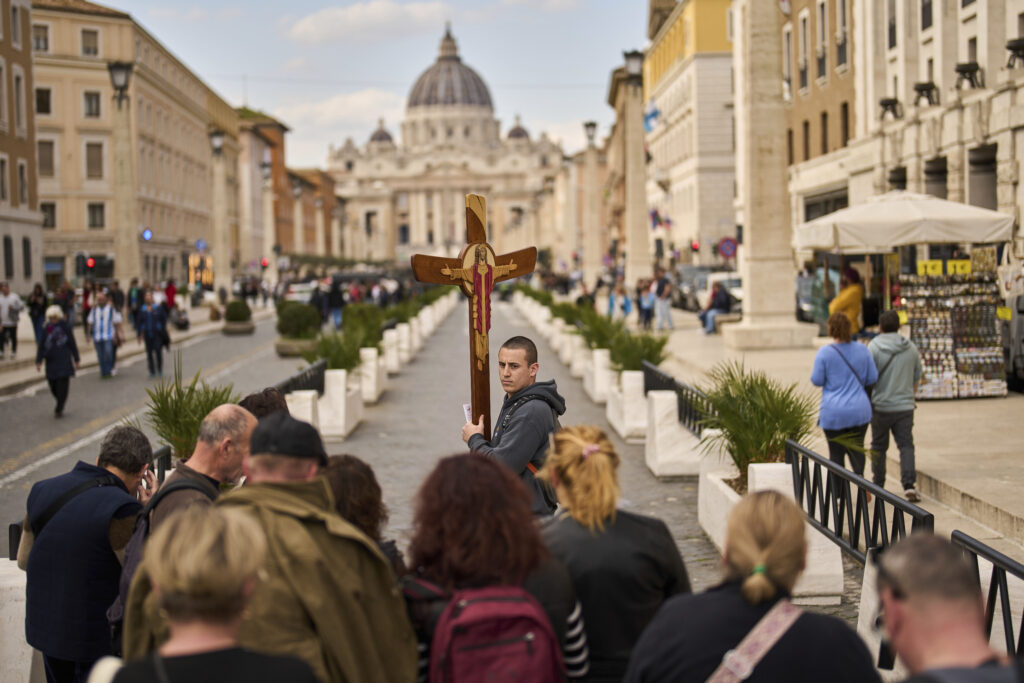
x=821, y=582
x=597, y=378
x=341, y=406
x=578, y=360
x=415, y=335
x=372, y=374
x=670, y=449
x=303, y=404
x=404, y=342
x=626, y=409
x=392, y=363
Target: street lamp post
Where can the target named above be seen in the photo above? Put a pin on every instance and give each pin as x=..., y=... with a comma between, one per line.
x=638, y=249
x=127, y=256
x=269, y=224
x=297, y=224
x=591, y=237
x=320, y=228
x=222, y=274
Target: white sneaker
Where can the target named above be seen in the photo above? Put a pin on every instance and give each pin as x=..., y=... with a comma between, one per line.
x=113, y=371
x=912, y=496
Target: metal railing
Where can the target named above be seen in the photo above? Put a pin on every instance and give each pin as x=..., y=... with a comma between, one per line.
x=692, y=403
x=311, y=378
x=853, y=521
x=162, y=459
x=997, y=587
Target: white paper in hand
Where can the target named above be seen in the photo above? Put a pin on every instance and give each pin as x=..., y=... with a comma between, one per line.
x=467, y=410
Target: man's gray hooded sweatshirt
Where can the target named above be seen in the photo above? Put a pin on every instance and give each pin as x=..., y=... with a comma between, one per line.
x=894, y=391
x=522, y=439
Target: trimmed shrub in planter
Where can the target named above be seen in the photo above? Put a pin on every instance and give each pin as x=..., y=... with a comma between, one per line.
x=238, y=318
x=629, y=351
x=298, y=321
x=340, y=350
x=365, y=320
x=752, y=414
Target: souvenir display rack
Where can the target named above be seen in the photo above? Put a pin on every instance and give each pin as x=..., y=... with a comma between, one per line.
x=952, y=320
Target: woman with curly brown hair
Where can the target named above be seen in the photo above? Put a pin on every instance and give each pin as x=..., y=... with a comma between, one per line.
x=623, y=565
x=473, y=528
x=358, y=500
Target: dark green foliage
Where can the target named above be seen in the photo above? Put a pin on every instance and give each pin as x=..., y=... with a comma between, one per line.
x=570, y=313
x=298, y=321
x=237, y=311
x=340, y=350
x=599, y=330
x=754, y=414
x=629, y=351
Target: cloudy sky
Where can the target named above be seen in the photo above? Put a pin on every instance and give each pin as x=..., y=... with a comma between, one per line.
x=329, y=70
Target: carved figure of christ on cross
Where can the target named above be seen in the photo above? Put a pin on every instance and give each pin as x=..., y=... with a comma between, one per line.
x=476, y=271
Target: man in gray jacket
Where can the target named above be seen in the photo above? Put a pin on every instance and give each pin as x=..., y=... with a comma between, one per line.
x=528, y=416
x=892, y=400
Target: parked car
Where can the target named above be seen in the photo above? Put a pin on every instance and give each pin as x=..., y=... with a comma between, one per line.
x=732, y=283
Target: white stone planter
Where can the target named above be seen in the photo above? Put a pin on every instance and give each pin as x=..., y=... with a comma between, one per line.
x=392, y=361
x=341, y=406
x=670, y=449
x=18, y=661
x=427, y=321
x=626, y=409
x=821, y=583
x=415, y=336
x=598, y=376
x=581, y=357
x=404, y=342
x=303, y=406
x=372, y=374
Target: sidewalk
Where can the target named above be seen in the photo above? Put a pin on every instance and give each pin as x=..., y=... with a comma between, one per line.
x=16, y=375
x=968, y=452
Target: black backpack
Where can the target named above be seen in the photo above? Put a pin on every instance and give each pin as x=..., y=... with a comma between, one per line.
x=133, y=552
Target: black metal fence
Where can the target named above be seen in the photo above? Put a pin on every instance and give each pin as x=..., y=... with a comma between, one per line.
x=162, y=458
x=692, y=403
x=312, y=378
x=997, y=587
x=852, y=511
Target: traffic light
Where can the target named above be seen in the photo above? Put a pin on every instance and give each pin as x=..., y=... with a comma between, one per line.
x=695, y=245
x=264, y=262
x=90, y=263
x=79, y=264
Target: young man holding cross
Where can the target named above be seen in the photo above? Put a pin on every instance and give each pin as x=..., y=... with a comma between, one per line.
x=528, y=416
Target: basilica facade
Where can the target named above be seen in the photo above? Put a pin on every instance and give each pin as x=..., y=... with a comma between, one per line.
x=407, y=196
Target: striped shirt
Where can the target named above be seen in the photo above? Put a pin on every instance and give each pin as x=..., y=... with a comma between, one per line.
x=103, y=322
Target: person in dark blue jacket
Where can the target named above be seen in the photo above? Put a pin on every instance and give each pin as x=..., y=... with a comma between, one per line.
x=76, y=525
x=151, y=323
x=59, y=350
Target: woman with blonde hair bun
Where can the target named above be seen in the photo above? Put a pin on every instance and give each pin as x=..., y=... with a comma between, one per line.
x=623, y=565
x=765, y=551
x=204, y=563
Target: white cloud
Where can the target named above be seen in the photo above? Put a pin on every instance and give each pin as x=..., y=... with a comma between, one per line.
x=317, y=124
x=190, y=15
x=546, y=5
x=370, y=21
x=295, y=65
x=569, y=133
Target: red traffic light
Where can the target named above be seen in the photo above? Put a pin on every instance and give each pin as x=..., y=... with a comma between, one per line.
x=90, y=262
x=264, y=262
x=695, y=245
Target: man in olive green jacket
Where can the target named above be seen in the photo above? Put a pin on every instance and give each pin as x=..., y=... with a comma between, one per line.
x=329, y=596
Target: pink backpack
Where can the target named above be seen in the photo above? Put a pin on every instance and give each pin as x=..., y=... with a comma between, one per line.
x=495, y=634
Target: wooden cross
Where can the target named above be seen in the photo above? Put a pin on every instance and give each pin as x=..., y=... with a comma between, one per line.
x=476, y=270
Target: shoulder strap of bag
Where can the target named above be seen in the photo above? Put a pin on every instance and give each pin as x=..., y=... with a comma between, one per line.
x=739, y=663
x=42, y=520
x=178, y=484
x=891, y=359
x=833, y=347
x=513, y=408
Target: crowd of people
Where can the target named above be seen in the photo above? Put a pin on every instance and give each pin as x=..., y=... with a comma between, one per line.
x=261, y=558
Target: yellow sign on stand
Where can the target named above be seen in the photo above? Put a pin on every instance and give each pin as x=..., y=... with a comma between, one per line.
x=1004, y=313
x=902, y=316
x=958, y=267
x=929, y=267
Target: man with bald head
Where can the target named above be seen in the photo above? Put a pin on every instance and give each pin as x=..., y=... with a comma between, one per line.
x=222, y=445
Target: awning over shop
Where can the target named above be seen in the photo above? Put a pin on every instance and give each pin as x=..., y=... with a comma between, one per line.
x=898, y=219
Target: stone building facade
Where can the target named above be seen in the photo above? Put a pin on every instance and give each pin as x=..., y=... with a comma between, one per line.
x=20, y=221
x=690, y=129
x=171, y=113
x=407, y=196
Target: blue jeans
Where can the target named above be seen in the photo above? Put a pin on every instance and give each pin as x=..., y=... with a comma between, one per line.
x=663, y=309
x=105, y=355
x=37, y=327
x=707, y=319
x=336, y=315
x=155, y=356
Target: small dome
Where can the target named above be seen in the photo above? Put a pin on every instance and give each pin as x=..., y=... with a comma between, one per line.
x=381, y=134
x=449, y=82
x=518, y=132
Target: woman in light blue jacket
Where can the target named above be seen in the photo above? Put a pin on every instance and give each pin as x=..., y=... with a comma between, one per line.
x=843, y=370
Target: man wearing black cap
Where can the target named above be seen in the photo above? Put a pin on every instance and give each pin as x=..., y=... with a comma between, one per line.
x=329, y=597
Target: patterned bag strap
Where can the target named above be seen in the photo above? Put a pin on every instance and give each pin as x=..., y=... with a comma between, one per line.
x=739, y=663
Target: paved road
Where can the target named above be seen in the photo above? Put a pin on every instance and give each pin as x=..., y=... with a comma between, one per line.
x=34, y=445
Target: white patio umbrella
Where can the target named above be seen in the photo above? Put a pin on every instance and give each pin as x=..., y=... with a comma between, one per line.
x=898, y=219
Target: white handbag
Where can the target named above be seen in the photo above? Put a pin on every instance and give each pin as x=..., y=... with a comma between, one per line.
x=1011, y=274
